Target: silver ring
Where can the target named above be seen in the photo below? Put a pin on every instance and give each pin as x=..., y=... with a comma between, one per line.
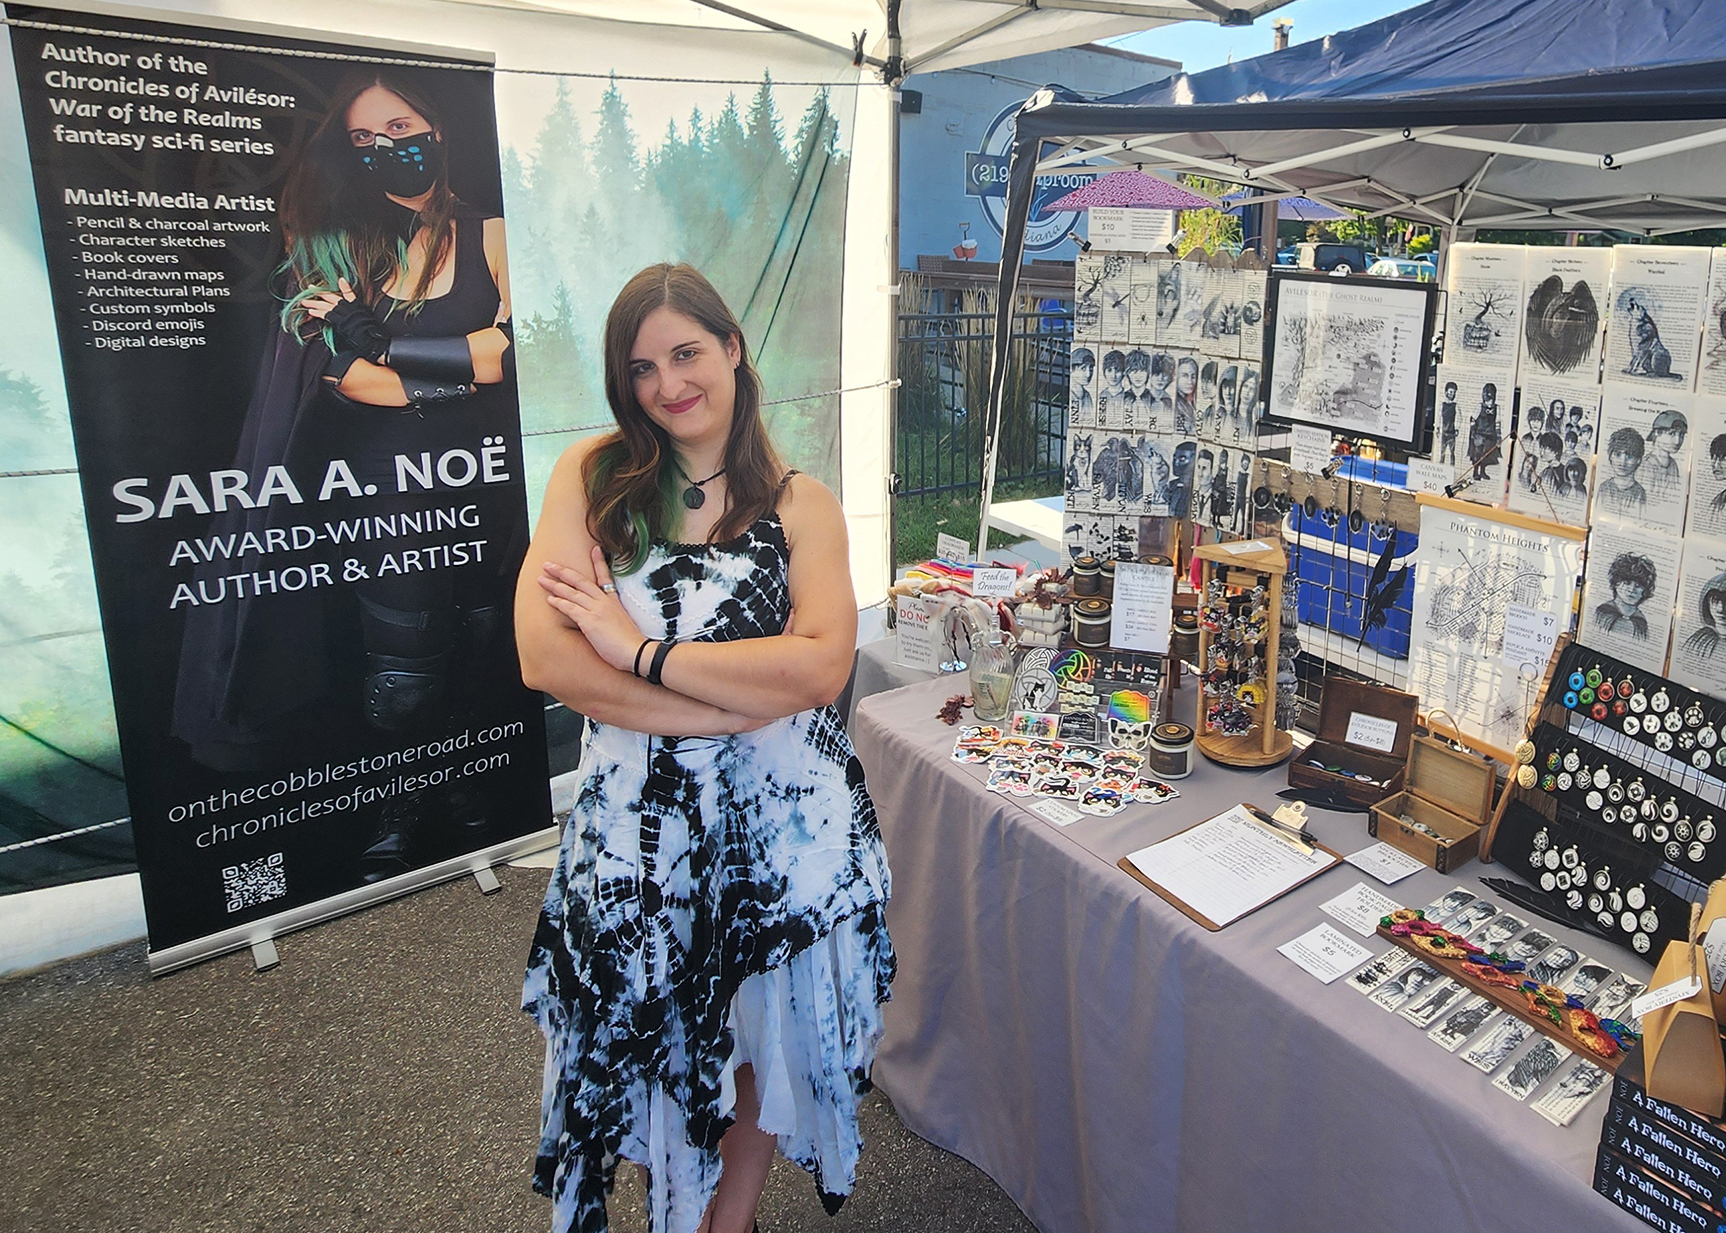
x=610, y=588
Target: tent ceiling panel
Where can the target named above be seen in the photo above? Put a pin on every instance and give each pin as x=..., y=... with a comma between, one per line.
x=934, y=34
x=1662, y=175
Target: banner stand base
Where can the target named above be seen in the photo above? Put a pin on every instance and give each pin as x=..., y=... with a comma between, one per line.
x=264, y=956
x=488, y=883
x=260, y=933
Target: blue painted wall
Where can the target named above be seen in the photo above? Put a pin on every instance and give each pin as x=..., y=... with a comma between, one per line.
x=959, y=108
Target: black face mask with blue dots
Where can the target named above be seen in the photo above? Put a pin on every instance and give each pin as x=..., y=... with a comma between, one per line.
x=405, y=166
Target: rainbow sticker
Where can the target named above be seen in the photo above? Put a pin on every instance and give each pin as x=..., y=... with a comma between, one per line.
x=1130, y=705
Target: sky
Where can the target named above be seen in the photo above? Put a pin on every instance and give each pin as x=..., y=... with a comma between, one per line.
x=1200, y=45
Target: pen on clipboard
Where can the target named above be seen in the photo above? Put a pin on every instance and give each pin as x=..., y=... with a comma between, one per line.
x=1299, y=834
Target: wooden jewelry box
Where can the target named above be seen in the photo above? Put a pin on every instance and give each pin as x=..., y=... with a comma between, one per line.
x=1446, y=791
x=1369, y=713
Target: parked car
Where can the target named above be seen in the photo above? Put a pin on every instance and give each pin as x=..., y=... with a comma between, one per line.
x=1288, y=256
x=1332, y=258
x=1401, y=267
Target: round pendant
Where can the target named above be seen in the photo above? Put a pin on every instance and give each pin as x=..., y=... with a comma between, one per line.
x=1548, y=881
x=1571, y=858
x=1682, y=830
x=1659, y=832
x=1572, y=761
x=1672, y=721
x=1649, y=920
x=1576, y=680
x=1356, y=520
x=1707, y=737
x=1564, y=781
x=1693, y=716
x=1309, y=507
x=1639, y=702
x=1636, y=897
x=1614, y=900
x=1674, y=850
x=1593, y=677
x=1605, y=690
x=1627, y=921
x=1594, y=800
x=1573, y=900
x=1669, y=813
x=1696, y=851
x=1602, y=777
x=1660, y=702
x=1663, y=742
x=1606, y=919
x=1632, y=725
x=1639, y=832
x=694, y=498
x=1637, y=790
x=1640, y=943
x=1542, y=840
x=1705, y=830
x=1551, y=859
x=1526, y=776
x=1597, y=902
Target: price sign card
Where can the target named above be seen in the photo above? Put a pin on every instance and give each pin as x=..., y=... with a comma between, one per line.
x=918, y=644
x=951, y=547
x=1425, y=475
x=1371, y=732
x=1325, y=953
x=993, y=583
x=1529, y=636
x=1384, y=862
x=1144, y=602
x=1125, y=229
x=1309, y=448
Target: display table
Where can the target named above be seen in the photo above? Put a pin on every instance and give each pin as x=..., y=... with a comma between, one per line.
x=1038, y=519
x=1116, y=1067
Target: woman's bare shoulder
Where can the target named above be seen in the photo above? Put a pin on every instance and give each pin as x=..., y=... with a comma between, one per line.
x=808, y=508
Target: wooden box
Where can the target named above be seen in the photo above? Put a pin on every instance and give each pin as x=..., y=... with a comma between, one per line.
x=1450, y=792
x=1342, y=703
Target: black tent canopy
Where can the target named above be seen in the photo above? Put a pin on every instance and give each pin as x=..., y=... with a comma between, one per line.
x=1524, y=114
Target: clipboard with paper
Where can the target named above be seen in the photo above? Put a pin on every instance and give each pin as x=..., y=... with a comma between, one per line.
x=1229, y=866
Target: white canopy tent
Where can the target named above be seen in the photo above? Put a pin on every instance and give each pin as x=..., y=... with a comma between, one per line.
x=842, y=41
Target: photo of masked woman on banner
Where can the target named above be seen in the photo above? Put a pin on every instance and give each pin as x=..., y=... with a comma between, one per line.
x=393, y=342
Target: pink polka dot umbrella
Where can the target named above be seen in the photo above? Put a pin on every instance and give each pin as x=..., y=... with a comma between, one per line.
x=1131, y=188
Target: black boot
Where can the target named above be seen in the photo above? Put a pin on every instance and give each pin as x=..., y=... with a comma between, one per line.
x=396, y=844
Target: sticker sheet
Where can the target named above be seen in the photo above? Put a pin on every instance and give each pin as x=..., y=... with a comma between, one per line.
x=1645, y=448
x=1552, y=468
x=1654, y=327
x=1564, y=312
x=1632, y=589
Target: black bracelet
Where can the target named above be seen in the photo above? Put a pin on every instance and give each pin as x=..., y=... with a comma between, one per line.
x=658, y=663
x=645, y=643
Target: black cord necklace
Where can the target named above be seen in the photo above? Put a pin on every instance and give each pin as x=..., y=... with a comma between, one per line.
x=693, y=496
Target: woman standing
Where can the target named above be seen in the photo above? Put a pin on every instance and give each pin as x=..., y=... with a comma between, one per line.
x=713, y=956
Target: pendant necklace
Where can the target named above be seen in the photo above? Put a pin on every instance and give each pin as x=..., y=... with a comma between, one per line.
x=693, y=496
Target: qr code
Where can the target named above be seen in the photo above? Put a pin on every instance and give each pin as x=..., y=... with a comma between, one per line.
x=255, y=882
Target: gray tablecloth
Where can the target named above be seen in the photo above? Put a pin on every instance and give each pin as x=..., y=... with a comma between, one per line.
x=1116, y=1067
x=876, y=671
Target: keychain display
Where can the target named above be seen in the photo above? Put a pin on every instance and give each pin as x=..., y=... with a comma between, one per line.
x=1246, y=685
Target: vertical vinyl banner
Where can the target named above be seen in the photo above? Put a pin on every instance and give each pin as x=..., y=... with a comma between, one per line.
x=278, y=282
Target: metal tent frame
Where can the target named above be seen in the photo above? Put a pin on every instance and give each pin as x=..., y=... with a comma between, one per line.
x=1636, y=149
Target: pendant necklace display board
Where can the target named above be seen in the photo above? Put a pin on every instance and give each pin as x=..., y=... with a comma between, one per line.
x=1493, y=591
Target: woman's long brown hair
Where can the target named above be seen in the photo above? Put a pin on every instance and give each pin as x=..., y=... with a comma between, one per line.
x=630, y=476
x=337, y=225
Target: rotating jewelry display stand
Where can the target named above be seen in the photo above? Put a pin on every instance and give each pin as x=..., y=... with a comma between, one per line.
x=1242, y=567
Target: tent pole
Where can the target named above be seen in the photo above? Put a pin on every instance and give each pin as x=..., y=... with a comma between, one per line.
x=892, y=75
x=1021, y=181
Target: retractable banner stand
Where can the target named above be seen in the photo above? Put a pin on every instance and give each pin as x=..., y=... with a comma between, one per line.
x=305, y=588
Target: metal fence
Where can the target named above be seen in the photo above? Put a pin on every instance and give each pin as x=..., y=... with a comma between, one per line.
x=943, y=398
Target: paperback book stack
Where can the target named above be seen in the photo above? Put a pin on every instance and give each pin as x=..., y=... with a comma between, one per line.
x=1660, y=1161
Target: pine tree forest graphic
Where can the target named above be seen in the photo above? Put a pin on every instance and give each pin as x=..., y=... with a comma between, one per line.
x=761, y=213
x=1465, y=626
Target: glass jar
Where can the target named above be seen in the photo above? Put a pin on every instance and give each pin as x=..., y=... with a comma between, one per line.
x=1086, y=576
x=991, y=670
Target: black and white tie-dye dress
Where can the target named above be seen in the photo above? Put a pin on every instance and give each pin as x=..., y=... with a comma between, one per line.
x=717, y=901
